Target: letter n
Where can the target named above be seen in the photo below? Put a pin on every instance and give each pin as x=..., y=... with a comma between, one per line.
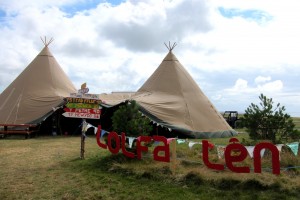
x=275, y=157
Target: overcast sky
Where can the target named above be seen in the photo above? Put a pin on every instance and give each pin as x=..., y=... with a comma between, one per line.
x=235, y=50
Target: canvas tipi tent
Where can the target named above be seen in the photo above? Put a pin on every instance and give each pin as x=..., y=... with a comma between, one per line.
x=35, y=93
x=172, y=99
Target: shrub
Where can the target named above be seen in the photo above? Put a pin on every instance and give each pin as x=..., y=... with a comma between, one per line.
x=265, y=121
x=129, y=120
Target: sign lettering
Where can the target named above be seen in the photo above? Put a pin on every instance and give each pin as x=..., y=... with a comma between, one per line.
x=83, y=110
x=82, y=105
x=81, y=100
x=230, y=159
x=81, y=115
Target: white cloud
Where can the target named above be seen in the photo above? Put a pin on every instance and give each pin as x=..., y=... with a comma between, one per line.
x=270, y=87
x=262, y=79
x=262, y=86
x=117, y=47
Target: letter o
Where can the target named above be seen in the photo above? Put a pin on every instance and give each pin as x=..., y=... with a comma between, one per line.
x=113, y=136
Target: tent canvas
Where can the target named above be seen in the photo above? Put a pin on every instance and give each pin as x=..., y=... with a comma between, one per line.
x=171, y=98
x=174, y=99
x=34, y=94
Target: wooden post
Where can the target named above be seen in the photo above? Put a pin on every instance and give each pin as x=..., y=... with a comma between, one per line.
x=174, y=156
x=83, y=130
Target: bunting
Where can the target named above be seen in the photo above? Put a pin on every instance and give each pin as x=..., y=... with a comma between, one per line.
x=130, y=141
x=294, y=146
x=279, y=147
x=250, y=150
x=103, y=132
x=221, y=151
x=191, y=144
x=170, y=140
x=180, y=141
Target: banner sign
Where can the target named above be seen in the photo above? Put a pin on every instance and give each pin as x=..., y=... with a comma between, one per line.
x=231, y=159
x=81, y=100
x=79, y=106
x=83, y=110
x=85, y=96
x=82, y=105
x=81, y=115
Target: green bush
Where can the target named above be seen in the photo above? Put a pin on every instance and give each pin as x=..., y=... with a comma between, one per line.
x=266, y=121
x=129, y=120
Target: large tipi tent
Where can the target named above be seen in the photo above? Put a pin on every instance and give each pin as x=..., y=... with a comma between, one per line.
x=172, y=99
x=36, y=92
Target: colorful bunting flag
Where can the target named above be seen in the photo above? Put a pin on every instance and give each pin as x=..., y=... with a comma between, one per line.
x=180, y=141
x=191, y=144
x=130, y=141
x=103, y=132
x=250, y=150
x=221, y=151
x=294, y=146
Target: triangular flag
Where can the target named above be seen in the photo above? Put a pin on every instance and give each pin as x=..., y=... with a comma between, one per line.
x=89, y=126
x=191, y=144
x=294, y=146
x=155, y=143
x=130, y=141
x=279, y=147
x=221, y=151
x=170, y=140
x=103, y=132
x=84, y=126
x=180, y=141
x=250, y=150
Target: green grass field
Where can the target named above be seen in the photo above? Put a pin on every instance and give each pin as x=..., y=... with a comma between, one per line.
x=50, y=168
x=296, y=120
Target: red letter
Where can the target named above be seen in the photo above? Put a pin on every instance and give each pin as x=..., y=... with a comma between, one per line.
x=125, y=152
x=275, y=157
x=165, y=148
x=98, y=135
x=141, y=148
x=236, y=158
x=205, y=146
x=115, y=136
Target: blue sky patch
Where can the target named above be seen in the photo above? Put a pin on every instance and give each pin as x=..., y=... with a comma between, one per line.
x=71, y=10
x=256, y=15
x=2, y=17
x=2, y=14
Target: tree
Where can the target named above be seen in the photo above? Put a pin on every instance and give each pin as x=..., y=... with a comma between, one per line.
x=266, y=121
x=129, y=120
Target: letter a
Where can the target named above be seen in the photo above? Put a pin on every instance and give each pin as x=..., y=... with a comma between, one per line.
x=165, y=148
